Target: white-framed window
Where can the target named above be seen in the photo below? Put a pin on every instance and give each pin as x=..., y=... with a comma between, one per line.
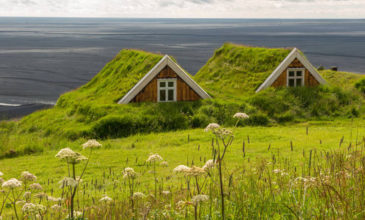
x=295, y=77
x=166, y=90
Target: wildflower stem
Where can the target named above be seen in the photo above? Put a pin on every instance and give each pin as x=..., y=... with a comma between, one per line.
x=4, y=200
x=14, y=205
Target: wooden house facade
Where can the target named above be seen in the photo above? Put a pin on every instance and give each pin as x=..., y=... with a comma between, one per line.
x=294, y=71
x=166, y=82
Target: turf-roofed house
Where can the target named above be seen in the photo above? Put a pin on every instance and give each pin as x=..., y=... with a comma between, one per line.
x=165, y=82
x=294, y=71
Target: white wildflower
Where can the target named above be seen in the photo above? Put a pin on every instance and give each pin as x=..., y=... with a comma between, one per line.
x=27, y=176
x=209, y=165
x=106, y=199
x=91, y=144
x=29, y=208
x=199, y=199
x=154, y=158
x=77, y=214
x=54, y=199
x=164, y=164
x=56, y=207
x=241, y=115
x=212, y=127
x=67, y=181
x=138, y=195
x=36, y=186
x=20, y=202
x=70, y=156
x=129, y=173
x=166, y=192
x=1, y=174
x=181, y=169
x=27, y=195
x=195, y=171
x=12, y=184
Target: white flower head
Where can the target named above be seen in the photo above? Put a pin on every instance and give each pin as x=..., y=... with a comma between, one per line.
x=12, y=184
x=70, y=156
x=29, y=208
x=27, y=195
x=36, y=186
x=164, y=164
x=27, y=176
x=195, y=171
x=181, y=169
x=199, y=199
x=77, y=214
x=106, y=199
x=154, y=158
x=91, y=144
x=212, y=127
x=67, y=181
x=166, y=193
x=138, y=195
x=54, y=199
x=129, y=173
x=241, y=115
x=1, y=174
x=208, y=165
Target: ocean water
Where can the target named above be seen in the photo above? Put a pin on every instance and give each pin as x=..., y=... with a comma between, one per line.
x=41, y=58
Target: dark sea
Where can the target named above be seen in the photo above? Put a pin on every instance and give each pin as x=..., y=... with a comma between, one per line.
x=41, y=58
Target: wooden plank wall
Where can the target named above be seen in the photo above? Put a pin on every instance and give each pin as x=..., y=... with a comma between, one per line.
x=184, y=92
x=309, y=79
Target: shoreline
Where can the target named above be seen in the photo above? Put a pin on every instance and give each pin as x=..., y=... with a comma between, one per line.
x=15, y=112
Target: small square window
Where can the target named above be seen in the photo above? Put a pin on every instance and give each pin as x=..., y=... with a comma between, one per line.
x=291, y=82
x=299, y=73
x=162, y=95
x=171, y=95
x=170, y=84
x=162, y=84
x=299, y=82
x=291, y=73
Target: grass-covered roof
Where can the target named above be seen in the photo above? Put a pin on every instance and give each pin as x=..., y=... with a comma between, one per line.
x=114, y=80
x=237, y=70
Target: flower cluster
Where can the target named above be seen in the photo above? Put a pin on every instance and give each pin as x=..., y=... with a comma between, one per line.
x=106, y=199
x=241, y=115
x=91, y=144
x=33, y=209
x=129, y=173
x=181, y=169
x=210, y=164
x=195, y=171
x=12, y=183
x=68, y=181
x=154, y=158
x=212, y=127
x=199, y=199
x=27, y=176
x=138, y=195
x=70, y=156
x=218, y=131
x=36, y=186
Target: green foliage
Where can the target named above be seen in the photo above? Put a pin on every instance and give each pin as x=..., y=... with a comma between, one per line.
x=360, y=85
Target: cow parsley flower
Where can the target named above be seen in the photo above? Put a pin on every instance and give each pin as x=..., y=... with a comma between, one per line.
x=181, y=169
x=12, y=184
x=70, y=156
x=199, y=199
x=212, y=127
x=138, y=195
x=195, y=171
x=106, y=199
x=208, y=165
x=29, y=208
x=67, y=181
x=54, y=199
x=91, y=144
x=129, y=173
x=154, y=158
x=241, y=115
x=27, y=176
x=36, y=186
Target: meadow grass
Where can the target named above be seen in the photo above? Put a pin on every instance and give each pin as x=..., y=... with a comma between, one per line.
x=289, y=146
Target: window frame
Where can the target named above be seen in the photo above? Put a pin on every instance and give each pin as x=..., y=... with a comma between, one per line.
x=295, y=77
x=166, y=80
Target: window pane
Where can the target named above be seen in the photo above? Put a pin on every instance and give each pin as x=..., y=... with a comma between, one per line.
x=162, y=84
x=171, y=95
x=291, y=73
x=171, y=84
x=291, y=82
x=299, y=82
x=162, y=95
x=299, y=73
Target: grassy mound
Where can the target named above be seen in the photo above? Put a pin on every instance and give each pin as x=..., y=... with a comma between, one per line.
x=236, y=71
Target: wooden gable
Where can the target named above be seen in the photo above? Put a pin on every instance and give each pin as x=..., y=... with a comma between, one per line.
x=309, y=79
x=183, y=91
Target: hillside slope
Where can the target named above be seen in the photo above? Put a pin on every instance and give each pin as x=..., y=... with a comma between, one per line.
x=236, y=71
